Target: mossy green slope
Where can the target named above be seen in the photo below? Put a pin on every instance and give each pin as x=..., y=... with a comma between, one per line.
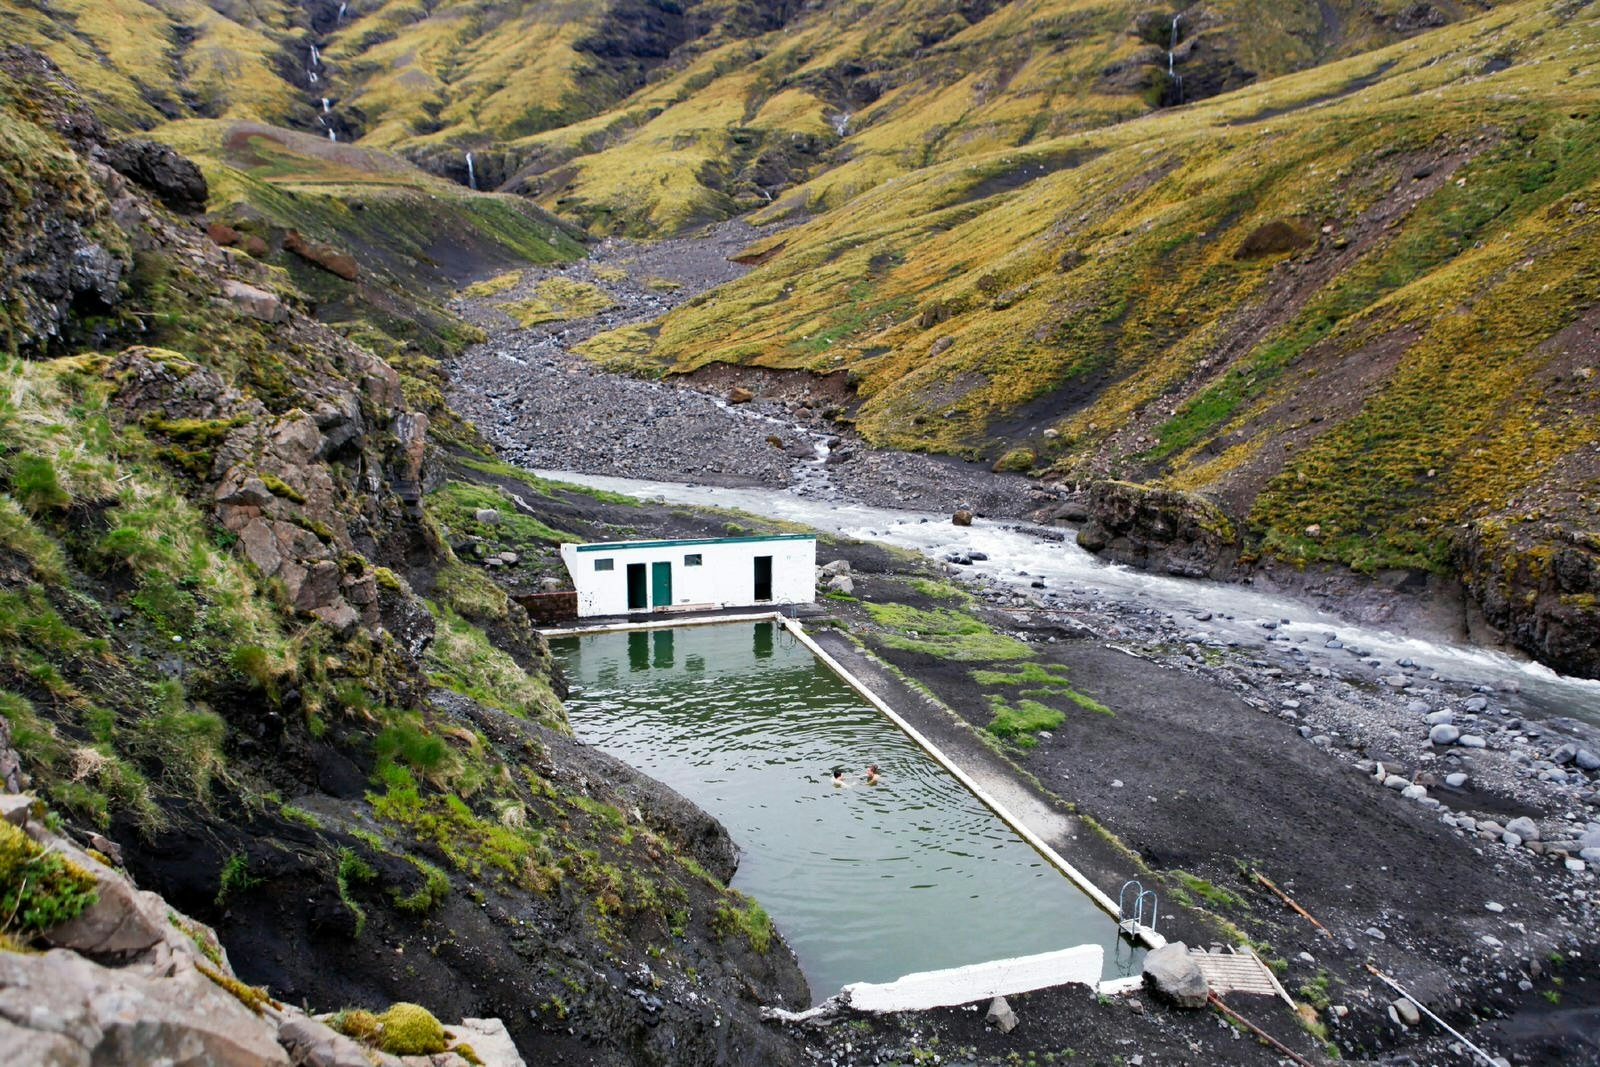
x=1344, y=299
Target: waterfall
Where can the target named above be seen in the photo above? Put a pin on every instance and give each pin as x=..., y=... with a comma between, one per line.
x=316, y=57
x=1172, y=43
x=311, y=76
x=325, y=105
x=341, y=15
x=472, y=175
x=323, y=121
x=840, y=123
x=332, y=136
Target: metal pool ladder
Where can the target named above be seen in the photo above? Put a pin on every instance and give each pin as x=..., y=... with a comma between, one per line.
x=1130, y=920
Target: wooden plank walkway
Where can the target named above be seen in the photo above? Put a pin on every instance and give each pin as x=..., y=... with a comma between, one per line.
x=1237, y=972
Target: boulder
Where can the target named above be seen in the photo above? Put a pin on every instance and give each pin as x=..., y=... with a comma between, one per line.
x=254, y=302
x=1524, y=828
x=1444, y=734
x=330, y=259
x=841, y=583
x=1000, y=1016
x=963, y=517
x=740, y=395
x=838, y=566
x=1170, y=973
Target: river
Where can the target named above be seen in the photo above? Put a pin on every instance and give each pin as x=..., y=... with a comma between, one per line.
x=1020, y=554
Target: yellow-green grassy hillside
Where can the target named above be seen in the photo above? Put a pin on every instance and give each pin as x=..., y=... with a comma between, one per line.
x=1359, y=298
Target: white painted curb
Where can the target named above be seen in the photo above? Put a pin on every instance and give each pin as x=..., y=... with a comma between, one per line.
x=979, y=981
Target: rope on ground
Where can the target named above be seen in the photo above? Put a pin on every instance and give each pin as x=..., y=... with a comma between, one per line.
x=1398, y=988
x=1278, y=1046
x=1303, y=913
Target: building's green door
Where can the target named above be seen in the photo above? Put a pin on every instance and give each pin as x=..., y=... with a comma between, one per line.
x=661, y=585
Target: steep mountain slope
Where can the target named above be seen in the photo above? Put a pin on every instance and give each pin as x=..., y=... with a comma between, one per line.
x=648, y=116
x=1355, y=305
x=235, y=640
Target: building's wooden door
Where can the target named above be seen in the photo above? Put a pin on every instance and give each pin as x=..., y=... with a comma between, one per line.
x=661, y=585
x=637, y=599
x=763, y=578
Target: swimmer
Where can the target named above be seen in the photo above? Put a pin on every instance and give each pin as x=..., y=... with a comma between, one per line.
x=838, y=778
x=872, y=774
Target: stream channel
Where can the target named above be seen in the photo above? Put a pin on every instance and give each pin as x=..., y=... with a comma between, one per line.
x=867, y=882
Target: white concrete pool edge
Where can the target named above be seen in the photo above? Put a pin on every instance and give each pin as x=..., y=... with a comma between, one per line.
x=930, y=989
x=1145, y=934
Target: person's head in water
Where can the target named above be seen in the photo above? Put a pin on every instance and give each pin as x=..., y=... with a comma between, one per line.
x=838, y=776
x=872, y=773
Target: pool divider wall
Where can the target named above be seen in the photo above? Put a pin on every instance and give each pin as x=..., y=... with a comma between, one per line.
x=910, y=990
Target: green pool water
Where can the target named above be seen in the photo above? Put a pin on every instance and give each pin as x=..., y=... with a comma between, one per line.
x=867, y=883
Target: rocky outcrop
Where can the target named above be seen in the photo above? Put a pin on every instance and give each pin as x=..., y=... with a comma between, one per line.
x=1158, y=529
x=131, y=980
x=174, y=180
x=1539, y=587
x=60, y=252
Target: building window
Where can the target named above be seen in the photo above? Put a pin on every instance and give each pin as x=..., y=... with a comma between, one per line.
x=605, y=565
x=692, y=559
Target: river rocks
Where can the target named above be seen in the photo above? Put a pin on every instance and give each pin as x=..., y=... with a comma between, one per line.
x=174, y=180
x=740, y=395
x=1158, y=529
x=1586, y=760
x=962, y=517
x=1524, y=828
x=1405, y=1012
x=1443, y=734
x=1172, y=974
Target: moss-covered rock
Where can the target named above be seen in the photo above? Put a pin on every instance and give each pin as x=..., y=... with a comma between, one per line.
x=410, y=1030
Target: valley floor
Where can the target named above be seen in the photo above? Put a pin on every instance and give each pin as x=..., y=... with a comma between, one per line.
x=1202, y=763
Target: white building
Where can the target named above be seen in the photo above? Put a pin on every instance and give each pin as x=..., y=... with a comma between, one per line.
x=626, y=577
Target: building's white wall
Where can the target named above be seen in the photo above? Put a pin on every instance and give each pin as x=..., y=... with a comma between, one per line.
x=724, y=578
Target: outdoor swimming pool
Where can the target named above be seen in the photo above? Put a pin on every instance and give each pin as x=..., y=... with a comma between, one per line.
x=867, y=883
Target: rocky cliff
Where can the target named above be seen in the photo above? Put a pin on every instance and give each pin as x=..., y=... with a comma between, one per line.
x=237, y=649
